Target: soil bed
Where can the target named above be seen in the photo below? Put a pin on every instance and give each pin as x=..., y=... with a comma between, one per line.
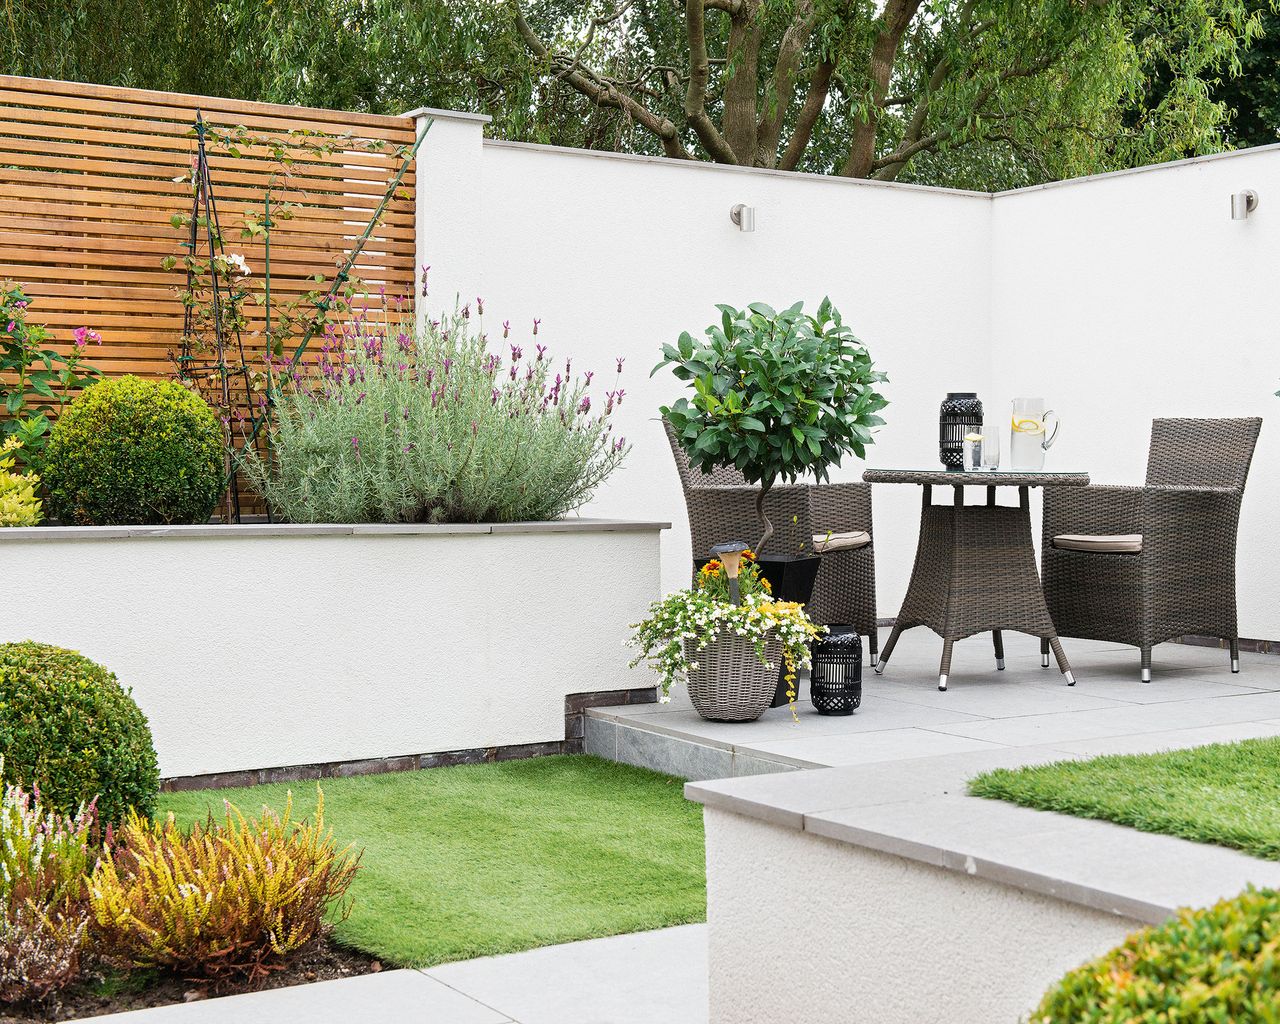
x=103, y=990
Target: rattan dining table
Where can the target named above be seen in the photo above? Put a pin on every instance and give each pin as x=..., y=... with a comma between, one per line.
x=975, y=569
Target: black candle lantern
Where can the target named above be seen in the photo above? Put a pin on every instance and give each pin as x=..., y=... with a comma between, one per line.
x=835, y=681
x=961, y=414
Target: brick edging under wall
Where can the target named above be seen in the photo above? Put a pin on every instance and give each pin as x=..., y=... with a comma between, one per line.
x=1247, y=645
x=575, y=711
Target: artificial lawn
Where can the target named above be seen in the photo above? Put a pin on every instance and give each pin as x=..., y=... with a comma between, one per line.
x=496, y=858
x=1226, y=793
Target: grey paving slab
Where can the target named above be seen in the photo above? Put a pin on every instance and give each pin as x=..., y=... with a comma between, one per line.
x=655, y=977
x=1085, y=725
x=778, y=724
x=745, y=764
x=410, y=997
x=1098, y=864
x=1178, y=739
x=786, y=799
x=673, y=755
x=998, y=695
x=870, y=747
x=600, y=737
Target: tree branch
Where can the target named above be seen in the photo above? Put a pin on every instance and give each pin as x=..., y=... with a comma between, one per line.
x=884, y=51
x=742, y=86
x=769, y=128
x=814, y=101
x=695, y=96
x=602, y=91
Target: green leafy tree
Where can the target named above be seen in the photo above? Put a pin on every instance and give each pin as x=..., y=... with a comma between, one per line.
x=977, y=93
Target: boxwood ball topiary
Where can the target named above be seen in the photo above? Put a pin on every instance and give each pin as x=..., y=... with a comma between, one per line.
x=134, y=451
x=69, y=727
x=1204, y=966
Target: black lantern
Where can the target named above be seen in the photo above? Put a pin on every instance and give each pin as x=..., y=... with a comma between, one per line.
x=835, y=681
x=961, y=414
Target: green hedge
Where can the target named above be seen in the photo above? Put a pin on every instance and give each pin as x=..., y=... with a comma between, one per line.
x=1217, y=965
x=69, y=727
x=134, y=451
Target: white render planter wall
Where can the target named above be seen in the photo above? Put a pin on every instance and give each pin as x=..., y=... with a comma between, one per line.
x=803, y=928
x=261, y=646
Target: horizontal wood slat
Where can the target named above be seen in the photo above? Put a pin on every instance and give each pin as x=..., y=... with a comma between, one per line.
x=87, y=193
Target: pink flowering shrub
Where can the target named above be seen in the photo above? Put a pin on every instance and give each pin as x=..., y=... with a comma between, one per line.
x=45, y=860
x=35, y=381
x=390, y=424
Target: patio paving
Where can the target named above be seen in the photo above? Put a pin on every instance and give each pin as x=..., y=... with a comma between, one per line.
x=1193, y=699
x=599, y=981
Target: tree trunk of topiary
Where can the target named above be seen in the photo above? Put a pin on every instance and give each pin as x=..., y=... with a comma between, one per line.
x=764, y=519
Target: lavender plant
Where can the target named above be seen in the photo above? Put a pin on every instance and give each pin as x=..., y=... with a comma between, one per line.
x=393, y=424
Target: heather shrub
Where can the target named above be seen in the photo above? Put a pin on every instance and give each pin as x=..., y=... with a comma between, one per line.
x=1211, y=965
x=45, y=858
x=393, y=425
x=232, y=898
x=130, y=450
x=68, y=727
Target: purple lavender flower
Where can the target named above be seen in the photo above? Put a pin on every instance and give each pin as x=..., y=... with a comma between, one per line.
x=585, y=405
x=621, y=360
x=542, y=349
x=425, y=269
x=506, y=328
x=536, y=321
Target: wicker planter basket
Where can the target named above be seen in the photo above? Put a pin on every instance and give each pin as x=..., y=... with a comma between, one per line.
x=730, y=684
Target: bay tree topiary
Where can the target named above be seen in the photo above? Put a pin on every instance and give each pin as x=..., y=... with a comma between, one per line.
x=69, y=729
x=776, y=395
x=1210, y=965
x=135, y=451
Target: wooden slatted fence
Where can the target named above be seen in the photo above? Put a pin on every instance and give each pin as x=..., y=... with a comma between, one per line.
x=87, y=190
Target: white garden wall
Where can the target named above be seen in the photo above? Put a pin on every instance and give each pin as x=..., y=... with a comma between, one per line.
x=1118, y=298
x=266, y=646
x=1135, y=295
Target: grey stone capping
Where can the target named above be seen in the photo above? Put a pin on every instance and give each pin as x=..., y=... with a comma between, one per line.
x=20, y=534
x=895, y=809
x=707, y=165
x=447, y=115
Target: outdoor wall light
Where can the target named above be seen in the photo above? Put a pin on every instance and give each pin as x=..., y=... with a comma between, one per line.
x=744, y=216
x=1243, y=204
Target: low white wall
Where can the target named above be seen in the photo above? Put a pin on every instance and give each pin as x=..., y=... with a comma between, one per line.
x=251, y=647
x=802, y=928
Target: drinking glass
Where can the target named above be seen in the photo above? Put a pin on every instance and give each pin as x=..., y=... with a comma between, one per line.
x=990, y=443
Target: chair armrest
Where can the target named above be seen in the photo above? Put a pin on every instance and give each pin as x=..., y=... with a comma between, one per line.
x=1181, y=519
x=1095, y=509
x=839, y=508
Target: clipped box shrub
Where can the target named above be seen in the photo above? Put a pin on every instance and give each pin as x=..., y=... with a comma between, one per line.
x=45, y=859
x=134, y=451
x=232, y=898
x=1213, y=965
x=68, y=727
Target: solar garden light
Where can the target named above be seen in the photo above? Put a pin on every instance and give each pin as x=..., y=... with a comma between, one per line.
x=730, y=555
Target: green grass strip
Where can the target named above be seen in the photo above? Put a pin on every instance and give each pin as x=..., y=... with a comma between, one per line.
x=1226, y=793
x=497, y=858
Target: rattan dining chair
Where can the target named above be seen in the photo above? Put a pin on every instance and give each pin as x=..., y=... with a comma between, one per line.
x=1142, y=565
x=833, y=520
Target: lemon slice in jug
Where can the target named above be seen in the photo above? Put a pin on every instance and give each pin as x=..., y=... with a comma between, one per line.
x=1028, y=426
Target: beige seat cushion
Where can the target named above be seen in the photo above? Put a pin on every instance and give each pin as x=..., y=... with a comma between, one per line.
x=1120, y=543
x=826, y=543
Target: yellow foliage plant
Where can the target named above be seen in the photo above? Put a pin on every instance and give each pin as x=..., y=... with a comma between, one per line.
x=19, y=502
x=230, y=899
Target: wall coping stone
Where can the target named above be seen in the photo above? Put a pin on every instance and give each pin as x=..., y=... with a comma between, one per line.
x=241, y=531
x=918, y=811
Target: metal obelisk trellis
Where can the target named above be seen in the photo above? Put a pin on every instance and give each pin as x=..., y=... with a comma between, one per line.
x=197, y=362
x=323, y=304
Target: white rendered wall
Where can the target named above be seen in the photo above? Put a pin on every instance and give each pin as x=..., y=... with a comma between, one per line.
x=1131, y=296
x=617, y=255
x=1117, y=298
x=802, y=928
x=286, y=650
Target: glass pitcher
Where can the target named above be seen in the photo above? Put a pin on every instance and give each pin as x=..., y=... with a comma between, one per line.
x=1029, y=438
